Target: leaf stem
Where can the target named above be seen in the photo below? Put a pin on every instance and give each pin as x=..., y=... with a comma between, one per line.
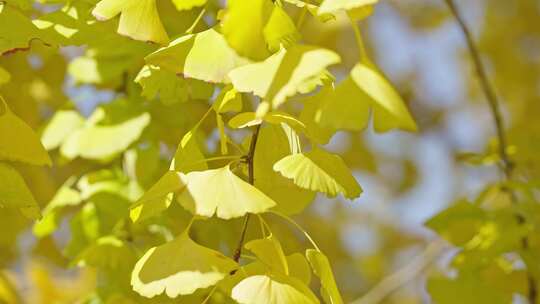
x=359, y=41
x=196, y=22
x=250, y=157
x=507, y=166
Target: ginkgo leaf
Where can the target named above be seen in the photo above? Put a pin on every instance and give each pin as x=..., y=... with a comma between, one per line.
x=179, y=267
x=107, y=253
x=188, y=156
x=60, y=127
x=18, y=141
x=228, y=100
x=283, y=74
x=274, y=289
x=270, y=253
x=166, y=85
x=64, y=197
x=332, y=6
x=139, y=19
x=280, y=30
x=16, y=30
x=182, y=5
x=158, y=197
x=14, y=193
x=321, y=171
x=249, y=119
x=321, y=267
x=344, y=108
x=188, y=55
x=273, y=145
x=313, y=112
x=269, y=26
x=221, y=192
x=390, y=110
x=104, y=141
x=5, y=77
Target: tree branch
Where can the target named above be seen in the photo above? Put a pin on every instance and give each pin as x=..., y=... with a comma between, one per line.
x=250, y=157
x=507, y=166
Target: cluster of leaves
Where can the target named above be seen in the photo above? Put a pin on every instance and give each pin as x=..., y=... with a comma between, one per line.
x=123, y=221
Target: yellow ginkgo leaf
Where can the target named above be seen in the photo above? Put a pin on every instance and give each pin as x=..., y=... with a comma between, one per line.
x=183, y=5
x=284, y=74
x=269, y=27
x=17, y=30
x=272, y=289
x=60, y=127
x=18, y=141
x=5, y=77
x=276, y=142
x=14, y=193
x=221, y=192
x=270, y=253
x=321, y=267
x=158, y=197
x=179, y=267
x=332, y=6
x=390, y=110
x=249, y=119
x=188, y=55
x=139, y=19
x=321, y=171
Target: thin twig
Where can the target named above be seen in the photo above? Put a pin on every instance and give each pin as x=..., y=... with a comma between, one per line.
x=250, y=157
x=507, y=166
x=403, y=275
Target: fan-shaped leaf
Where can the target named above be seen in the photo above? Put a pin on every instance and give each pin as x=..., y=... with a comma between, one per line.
x=221, y=192
x=321, y=171
x=321, y=267
x=18, y=141
x=179, y=267
x=284, y=74
x=139, y=19
x=14, y=193
x=188, y=55
x=270, y=253
x=264, y=289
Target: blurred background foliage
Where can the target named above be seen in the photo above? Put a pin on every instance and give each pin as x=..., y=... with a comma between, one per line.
x=407, y=178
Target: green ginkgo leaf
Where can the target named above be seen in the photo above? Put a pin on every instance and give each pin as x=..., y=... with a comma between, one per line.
x=390, y=110
x=158, y=197
x=18, y=141
x=183, y=5
x=229, y=100
x=139, y=19
x=14, y=193
x=188, y=156
x=332, y=6
x=321, y=171
x=5, y=77
x=273, y=145
x=270, y=253
x=221, y=192
x=64, y=197
x=321, y=267
x=283, y=74
x=189, y=56
x=107, y=253
x=16, y=30
x=59, y=128
x=269, y=26
x=95, y=141
x=157, y=82
x=272, y=289
x=179, y=267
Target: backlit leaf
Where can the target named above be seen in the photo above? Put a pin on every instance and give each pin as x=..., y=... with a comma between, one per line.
x=321, y=267
x=332, y=6
x=265, y=289
x=182, y=5
x=179, y=267
x=221, y=192
x=14, y=193
x=321, y=171
x=270, y=253
x=18, y=141
x=139, y=19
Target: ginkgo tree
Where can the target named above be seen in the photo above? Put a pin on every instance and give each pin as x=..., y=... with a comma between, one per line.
x=218, y=123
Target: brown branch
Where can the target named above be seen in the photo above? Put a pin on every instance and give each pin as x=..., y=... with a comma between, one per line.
x=507, y=166
x=250, y=157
